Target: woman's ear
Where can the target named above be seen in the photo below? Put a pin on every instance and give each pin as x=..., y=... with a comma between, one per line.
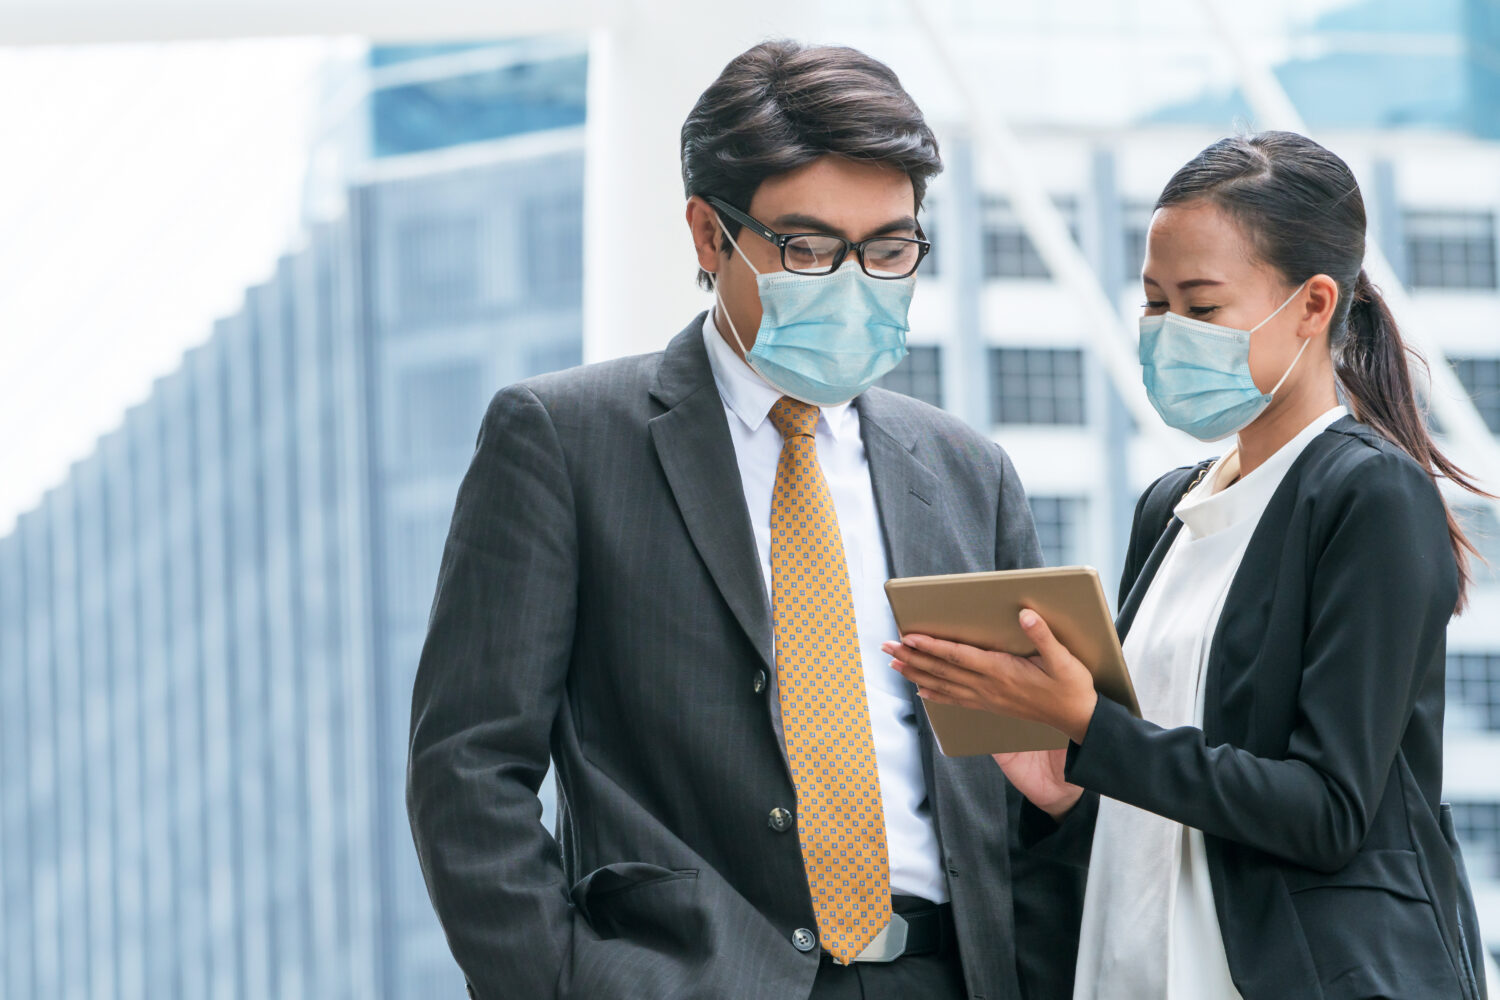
x=703, y=223
x=1322, y=301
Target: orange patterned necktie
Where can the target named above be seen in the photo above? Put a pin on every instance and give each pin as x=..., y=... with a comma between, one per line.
x=824, y=711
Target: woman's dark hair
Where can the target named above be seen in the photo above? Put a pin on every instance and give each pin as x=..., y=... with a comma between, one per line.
x=781, y=105
x=1301, y=209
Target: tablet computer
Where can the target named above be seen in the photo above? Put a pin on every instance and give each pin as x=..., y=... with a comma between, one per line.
x=982, y=609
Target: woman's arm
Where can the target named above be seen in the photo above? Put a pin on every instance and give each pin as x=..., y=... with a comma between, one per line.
x=1383, y=588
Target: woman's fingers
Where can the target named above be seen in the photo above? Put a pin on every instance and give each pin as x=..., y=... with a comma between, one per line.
x=956, y=653
x=1048, y=648
x=945, y=687
x=909, y=653
x=936, y=696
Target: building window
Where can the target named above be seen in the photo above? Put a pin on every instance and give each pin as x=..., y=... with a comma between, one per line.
x=1473, y=687
x=925, y=220
x=1483, y=529
x=1481, y=376
x=554, y=246
x=1137, y=223
x=476, y=107
x=441, y=406
x=437, y=265
x=1036, y=386
x=1478, y=828
x=1057, y=528
x=1450, y=249
x=553, y=357
x=919, y=376
x=1008, y=251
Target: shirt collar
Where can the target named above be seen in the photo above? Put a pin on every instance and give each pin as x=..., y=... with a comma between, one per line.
x=1221, y=501
x=749, y=396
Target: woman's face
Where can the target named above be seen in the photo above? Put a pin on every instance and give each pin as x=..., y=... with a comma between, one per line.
x=1199, y=264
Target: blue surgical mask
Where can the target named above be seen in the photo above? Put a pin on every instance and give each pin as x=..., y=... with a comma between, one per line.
x=825, y=339
x=1198, y=374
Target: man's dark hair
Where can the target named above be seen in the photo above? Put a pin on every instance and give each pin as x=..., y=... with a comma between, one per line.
x=781, y=105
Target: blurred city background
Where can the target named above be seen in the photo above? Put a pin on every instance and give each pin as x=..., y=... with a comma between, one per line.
x=263, y=266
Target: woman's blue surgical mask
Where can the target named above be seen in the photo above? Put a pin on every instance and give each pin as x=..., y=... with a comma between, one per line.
x=825, y=339
x=1198, y=374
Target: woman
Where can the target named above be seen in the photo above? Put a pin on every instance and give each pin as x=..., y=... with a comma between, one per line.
x=1272, y=827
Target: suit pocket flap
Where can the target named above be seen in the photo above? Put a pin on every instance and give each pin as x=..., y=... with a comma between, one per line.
x=616, y=878
x=1392, y=870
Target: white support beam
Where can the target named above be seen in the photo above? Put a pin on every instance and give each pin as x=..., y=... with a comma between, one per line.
x=645, y=72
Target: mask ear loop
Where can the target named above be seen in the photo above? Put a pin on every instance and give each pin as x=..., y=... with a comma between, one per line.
x=1302, y=351
x=1293, y=365
x=713, y=280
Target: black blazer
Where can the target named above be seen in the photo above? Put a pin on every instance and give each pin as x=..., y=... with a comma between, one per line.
x=1317, y=774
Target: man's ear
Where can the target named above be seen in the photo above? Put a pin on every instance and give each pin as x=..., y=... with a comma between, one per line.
x=708, y=239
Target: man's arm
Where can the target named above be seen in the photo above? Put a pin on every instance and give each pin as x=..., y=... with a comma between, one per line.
x=488, y=688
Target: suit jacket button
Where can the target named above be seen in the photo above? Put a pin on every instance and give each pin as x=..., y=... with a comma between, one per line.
x=760, y=681
x=804, y=939
x=781, y=820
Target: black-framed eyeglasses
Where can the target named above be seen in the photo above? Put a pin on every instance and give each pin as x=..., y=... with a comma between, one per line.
x=883, y=257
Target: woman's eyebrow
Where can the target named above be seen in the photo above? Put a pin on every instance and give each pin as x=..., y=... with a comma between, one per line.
x=1183, y=285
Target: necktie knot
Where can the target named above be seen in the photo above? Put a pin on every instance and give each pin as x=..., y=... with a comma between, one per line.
x=792, y=417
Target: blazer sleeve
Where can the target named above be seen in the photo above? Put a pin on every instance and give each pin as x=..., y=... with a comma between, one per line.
x=489, y=685
x=1383, y=586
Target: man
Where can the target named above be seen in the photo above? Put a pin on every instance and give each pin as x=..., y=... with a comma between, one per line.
x=665, y=572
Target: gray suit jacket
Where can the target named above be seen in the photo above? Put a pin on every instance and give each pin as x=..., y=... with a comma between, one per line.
x=600, y=603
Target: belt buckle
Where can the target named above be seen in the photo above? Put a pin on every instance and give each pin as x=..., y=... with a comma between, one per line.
x=888, y=945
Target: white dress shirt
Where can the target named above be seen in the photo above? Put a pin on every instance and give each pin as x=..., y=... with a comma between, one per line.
x=1149, y=924
x=911, y=840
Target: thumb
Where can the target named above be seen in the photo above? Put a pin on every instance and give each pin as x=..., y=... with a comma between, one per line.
x=1047, y=646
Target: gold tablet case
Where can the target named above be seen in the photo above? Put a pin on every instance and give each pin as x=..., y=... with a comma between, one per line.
x=982, y=609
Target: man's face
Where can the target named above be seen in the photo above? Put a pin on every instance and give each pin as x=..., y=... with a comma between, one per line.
x=831, y=195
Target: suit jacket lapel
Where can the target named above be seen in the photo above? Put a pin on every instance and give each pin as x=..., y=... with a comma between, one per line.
x=908, y=500
x=697, y=455
x=907, y=493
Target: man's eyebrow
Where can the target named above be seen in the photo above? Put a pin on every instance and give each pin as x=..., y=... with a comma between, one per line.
x=794, y=222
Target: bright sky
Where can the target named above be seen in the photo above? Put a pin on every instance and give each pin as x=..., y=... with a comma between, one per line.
x=142, y=189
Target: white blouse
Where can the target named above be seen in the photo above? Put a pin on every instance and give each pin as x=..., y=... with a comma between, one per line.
x=1149, y=925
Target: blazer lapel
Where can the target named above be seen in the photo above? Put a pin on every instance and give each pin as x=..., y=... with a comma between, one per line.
x=907, y=493
x=908, y=500
x=1132, y=604
x=697, y=455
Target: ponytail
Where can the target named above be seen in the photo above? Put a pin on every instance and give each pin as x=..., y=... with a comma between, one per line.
x=1370, y=361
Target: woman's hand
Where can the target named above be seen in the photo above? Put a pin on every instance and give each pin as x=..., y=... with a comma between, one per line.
x=1038, y=775
x=1052, y=687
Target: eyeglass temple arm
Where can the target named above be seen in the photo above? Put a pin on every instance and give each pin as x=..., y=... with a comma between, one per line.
x=723, y=206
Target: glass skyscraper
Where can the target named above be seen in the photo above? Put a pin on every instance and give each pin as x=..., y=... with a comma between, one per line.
x=208, y=633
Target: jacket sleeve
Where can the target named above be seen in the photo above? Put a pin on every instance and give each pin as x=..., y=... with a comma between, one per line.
x=489, y=685
x=1383, y=586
